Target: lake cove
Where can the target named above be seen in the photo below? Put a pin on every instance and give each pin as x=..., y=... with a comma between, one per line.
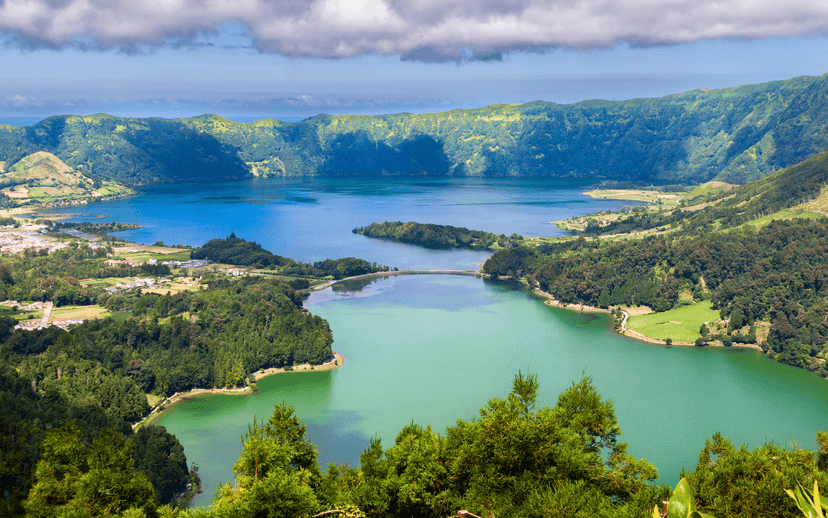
x=432, y=349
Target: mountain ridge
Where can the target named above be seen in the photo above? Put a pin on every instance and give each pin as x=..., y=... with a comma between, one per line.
x=734, y=135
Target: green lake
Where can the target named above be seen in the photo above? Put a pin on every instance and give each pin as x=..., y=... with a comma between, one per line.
x=433, y=349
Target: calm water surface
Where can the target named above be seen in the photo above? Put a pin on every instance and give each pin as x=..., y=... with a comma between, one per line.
x=432, y=349
x=312, y=220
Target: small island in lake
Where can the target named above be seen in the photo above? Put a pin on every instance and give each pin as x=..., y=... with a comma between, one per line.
x=437, y=236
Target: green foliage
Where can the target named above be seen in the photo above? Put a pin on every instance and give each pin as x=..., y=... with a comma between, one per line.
x=276, y=473
x=98, y=480
x=54, y=277
x=515, y=460
x=98, y=373
x=776, y=274
x=682, y=503
x=436, y=236
x=95, y=229
x=811, y=503
x=233, y=329
x=237, y=251
x=47, y=180
x=755, y=202
x=732, y=481
x=160, y=457
x=682, y=323
x=348, y=267
x=27, y=409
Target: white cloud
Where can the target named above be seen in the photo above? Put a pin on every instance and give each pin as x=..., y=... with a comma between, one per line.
x=19, y=101
x=414, y=29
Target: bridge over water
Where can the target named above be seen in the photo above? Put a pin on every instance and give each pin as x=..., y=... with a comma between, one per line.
x=471, y=273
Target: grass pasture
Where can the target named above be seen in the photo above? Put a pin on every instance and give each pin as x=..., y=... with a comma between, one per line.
x=105, y=282
x=706, y=191
x=119, y=316
x=79, y=313
x=143, y=256
x=137, y=252
x=680, y=324
x=98, y=283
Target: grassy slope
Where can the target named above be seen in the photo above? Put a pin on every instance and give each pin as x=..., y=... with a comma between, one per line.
x=44, y=178
x=706, y=191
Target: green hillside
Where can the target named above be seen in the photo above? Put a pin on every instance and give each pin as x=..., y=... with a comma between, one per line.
x=733, y=135
x=42, y=178
x=796, y=191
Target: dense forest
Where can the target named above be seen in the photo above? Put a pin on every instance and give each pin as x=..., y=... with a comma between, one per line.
x=90, y=382
x=237, y=251
x=430, y=235
x=173, y=343
x=517, y=459
x=98, y=373
x=735, y=134
x=31, y=408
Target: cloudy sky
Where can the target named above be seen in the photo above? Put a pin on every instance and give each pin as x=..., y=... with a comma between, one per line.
x=247, y=59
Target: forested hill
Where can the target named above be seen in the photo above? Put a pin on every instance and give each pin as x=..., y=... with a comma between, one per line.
x=735, y=135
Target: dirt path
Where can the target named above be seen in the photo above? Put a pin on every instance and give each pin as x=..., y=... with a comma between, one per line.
x=47, y=313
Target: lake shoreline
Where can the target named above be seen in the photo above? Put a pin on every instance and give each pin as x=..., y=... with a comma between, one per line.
x=623, y=330
x=248, y=390
x=41, y=211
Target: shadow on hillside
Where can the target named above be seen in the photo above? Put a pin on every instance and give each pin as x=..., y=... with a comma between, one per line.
x=358, y=153
x=187, y=154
